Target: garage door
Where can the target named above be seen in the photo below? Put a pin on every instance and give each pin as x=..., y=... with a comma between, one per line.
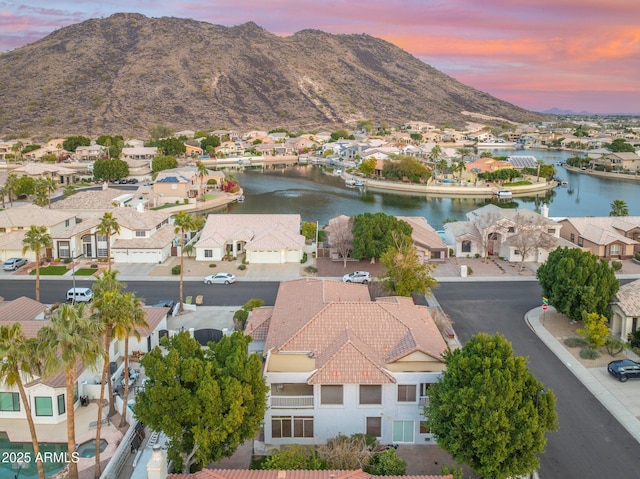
x=136, y=256
x=293, y=256
x=265, y=257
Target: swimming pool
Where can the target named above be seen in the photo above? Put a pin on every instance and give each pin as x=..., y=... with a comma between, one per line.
x=88, y=449
x=25, y=449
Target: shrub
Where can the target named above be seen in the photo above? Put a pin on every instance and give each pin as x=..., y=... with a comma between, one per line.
x=293, y=457
x=186, y=201
x=240, y=319
x=386, y=463
x=242, y=267
x=212, y=265
x=456, y=472
x=634, y=339
x=477, y=255
x=576, y=342
x=469, y=271
x=589, y=353
x=637, y=256
x=451, y=252
x=616, y=265
x=311, y=269
x=67, y=260
x=175, y=270
x=304, y=258
x=94, y=266
x=614, y=345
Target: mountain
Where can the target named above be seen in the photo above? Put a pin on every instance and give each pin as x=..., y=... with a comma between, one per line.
x=126, y=73
x=558, y=111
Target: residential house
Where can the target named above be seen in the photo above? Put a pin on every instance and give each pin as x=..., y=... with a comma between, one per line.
x=624, y=161
x=139, y=153
x=625, y=309
x=51, y=147
x=91, y=152
x=177, y=184
x=63, y=175
x=504, y=233
x=428, y=243
x=607, y=237
x=16, y=221
x=519, y=162
x=263, y=238
x=337, y=362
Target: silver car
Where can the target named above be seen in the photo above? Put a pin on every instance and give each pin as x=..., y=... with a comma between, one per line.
x=357, y=277
x=13, y=264
x=220, y=278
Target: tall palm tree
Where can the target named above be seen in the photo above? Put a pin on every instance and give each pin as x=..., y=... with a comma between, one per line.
x=40, y=190
x=69, y=341
x=3, y=193
x=202, y=172
x=37, y=239
x=20, y=360
x=619, y=208
x=10, y=186
x=108, y=226
x=17, y=150
x=185, y=222
x=51, y=186
x=133, y=317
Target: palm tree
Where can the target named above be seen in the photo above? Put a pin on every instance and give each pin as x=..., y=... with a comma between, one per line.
x=3, y=193
x=20, y=360
x=70, y=340
x=108, y=226
x=51, y=185
x=202, y=172
x=17, y=150
x=183, y=223
x=37, y=239
x=619, y=208
x=133, y=317
x=442, y=165
x=40, y=189
x=10, y=186
x=464, y=152
x=434, y=154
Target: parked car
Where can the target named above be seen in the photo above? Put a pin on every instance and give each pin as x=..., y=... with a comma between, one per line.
x=357, y=277
x=13, y=264
x=624, y=369
x=79, y=295
x=220, y=278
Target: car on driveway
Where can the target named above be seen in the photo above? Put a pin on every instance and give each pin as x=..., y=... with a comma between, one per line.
x=357, y=277
x=220, y=278
x=624, y=369
x=13, y=264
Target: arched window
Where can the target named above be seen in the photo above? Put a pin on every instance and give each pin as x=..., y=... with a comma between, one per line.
x=466, y=246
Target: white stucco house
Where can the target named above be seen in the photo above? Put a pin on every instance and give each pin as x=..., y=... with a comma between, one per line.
x=267, y=239
x=625, y=310
x=338, y=363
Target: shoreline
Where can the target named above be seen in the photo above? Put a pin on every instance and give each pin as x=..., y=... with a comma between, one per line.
x=603, y=174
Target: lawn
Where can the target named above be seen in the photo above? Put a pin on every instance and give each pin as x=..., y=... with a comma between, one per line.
x=52, y=270
x=86, y=271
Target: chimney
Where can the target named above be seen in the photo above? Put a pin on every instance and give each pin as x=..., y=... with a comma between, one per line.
x=157, y=466
x=140, y=207
x=544, y=211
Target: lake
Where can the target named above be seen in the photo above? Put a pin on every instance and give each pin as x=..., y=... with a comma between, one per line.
x=317, y=196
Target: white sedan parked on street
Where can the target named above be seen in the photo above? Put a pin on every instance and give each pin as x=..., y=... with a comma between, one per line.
x=220, y=278
x=357, y=277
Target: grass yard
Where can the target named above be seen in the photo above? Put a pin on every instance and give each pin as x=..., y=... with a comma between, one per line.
x=86, y=271
x=52, y=270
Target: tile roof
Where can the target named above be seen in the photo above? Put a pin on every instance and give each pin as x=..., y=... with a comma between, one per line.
x=23, y=215
x=12, y=241
x=604, y=230
x=88, y=200
x=258, y=324
x=423, y=233
x=153, y=316
x=35, y=169
x=21, y=310
x=628, y=298
x=160, y=239
x=297, y=474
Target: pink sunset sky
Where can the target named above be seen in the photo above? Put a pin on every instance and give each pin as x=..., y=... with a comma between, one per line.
x=579, y=55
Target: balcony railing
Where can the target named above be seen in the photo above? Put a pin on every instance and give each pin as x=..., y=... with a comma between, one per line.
x=424, y=401
x=292, y=402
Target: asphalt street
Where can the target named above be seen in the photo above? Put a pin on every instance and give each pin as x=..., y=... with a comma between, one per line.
x=590, y=442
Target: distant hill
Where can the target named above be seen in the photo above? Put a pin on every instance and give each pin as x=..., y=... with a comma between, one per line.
x=126, y=73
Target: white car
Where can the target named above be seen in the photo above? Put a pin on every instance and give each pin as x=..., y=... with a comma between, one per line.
x=220, y=278
x=357, y=277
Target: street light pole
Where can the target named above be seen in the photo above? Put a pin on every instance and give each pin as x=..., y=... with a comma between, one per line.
x=73, y=270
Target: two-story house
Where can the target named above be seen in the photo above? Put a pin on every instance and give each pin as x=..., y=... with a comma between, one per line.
x=337, y=363
x=615, y=237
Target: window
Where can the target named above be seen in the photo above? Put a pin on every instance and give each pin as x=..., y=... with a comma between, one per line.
x=61, y=409
x=9, y=402
x=291, y=426
x=402, y=431
x=516, y=252
x=580, y=241
x=66, y=223
x=44, y=406
x=572, y=238
x=424, y=393
x=406, y=393
x=511, y=229
x=634, y=325
x=466, y=246
x=614, y=249
x=331, y=395
x=140, y=233
x=424, y=427
x=374, y=426
x=64, y=251
x=208, y=253
x=370, y=394
x=3, y=230
x=551, y=231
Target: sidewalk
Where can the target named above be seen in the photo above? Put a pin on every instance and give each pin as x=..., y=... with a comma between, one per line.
x=622, y=400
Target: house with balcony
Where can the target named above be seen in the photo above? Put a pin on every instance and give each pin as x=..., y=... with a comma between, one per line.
x=615, y=237
x=337, y=363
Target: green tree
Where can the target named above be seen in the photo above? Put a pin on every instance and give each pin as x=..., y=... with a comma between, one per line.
x=404, y=167
x=185, y=223
x=386, y=463
x=595, y=329
x=25, y=186
x=203, y=172
x=619, y=208
x=210, y=142
x=308, y=230
x=293, y=457
x=160, y=131
x=217, y=396
x=110, y=169
x=160, y=163
x=416, y=137
x=20, y=360
x=372, y=234
x=368, y=166
x=3, y=193
x=73, y=142
x=40, y=190
x=488, y=411
x=108, y=227
x=338, y=134
x=112, y=144
x=405, y=272
x=169, y=146
x=620, y=145
x=70, y=340
x=37, y=239
x=576, y=281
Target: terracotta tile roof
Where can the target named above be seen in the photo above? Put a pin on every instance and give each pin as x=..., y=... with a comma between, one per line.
x=153, y=317
x=25, y=311
x=298, y=474
x=258, y=324
x=628, y=298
